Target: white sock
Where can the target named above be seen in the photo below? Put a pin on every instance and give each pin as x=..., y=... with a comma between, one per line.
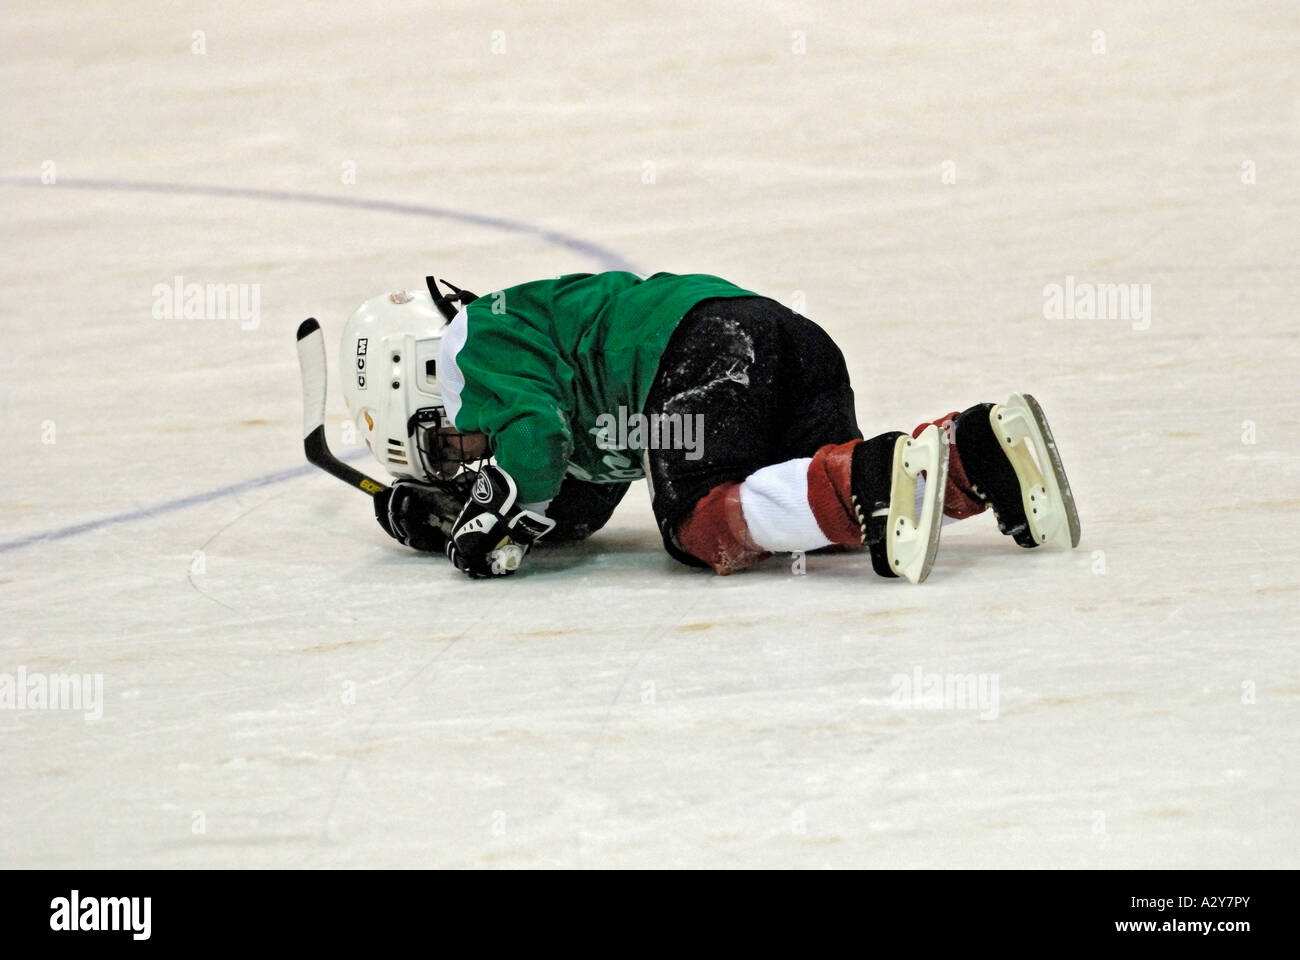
x=775, y=503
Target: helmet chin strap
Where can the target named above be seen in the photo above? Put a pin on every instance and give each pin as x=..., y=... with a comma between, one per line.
x=447, y=303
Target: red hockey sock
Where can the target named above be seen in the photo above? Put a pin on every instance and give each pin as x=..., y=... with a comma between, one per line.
x=715, y=532
x=830, y=493
x=959, y=500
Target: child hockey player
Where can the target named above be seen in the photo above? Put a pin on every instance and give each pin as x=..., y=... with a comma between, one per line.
x=737, y=410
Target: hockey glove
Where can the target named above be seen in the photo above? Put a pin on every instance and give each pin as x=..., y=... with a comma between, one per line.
x=420, y=515
x=492, y=533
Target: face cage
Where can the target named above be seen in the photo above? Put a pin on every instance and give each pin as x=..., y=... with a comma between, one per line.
x=436, y=448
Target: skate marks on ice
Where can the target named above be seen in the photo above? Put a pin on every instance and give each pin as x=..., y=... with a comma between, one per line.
x=331, y=829
x=205, y=547
x=585, y=783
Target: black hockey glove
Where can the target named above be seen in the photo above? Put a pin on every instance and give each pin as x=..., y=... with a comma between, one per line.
x=492, y=533
x=420, y=515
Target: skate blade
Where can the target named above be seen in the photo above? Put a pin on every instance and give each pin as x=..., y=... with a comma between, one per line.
x=1049, y=503
x=913, y=542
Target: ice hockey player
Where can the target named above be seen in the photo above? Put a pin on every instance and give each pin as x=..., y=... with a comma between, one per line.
x=736, y=409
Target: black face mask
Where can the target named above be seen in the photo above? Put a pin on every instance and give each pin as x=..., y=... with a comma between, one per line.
x=436, y=448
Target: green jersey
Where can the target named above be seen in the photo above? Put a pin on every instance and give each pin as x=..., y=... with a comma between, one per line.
x=534, y=367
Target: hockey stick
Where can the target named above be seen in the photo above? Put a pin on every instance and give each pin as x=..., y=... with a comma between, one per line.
x=311, y=360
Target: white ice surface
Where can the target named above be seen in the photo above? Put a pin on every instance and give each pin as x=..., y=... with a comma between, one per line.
x=607, y=706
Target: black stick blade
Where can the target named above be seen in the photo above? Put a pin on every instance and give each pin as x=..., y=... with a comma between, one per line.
x=311, y=361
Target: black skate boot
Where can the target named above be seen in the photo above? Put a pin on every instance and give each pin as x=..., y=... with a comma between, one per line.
x=1031, y=499
x=884, y=480
x=871, y=480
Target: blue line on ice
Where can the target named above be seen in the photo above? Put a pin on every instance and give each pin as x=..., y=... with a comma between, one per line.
x=605, y=257
x=168, y=506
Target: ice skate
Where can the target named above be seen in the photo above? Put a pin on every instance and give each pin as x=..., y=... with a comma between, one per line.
x=898, y=485
x=1010, y=462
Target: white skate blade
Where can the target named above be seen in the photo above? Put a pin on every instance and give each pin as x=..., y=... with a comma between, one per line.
x=1049, y=504
x=911, y=542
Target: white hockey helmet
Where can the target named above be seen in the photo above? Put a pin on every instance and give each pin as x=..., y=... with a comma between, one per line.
x=388, y=365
